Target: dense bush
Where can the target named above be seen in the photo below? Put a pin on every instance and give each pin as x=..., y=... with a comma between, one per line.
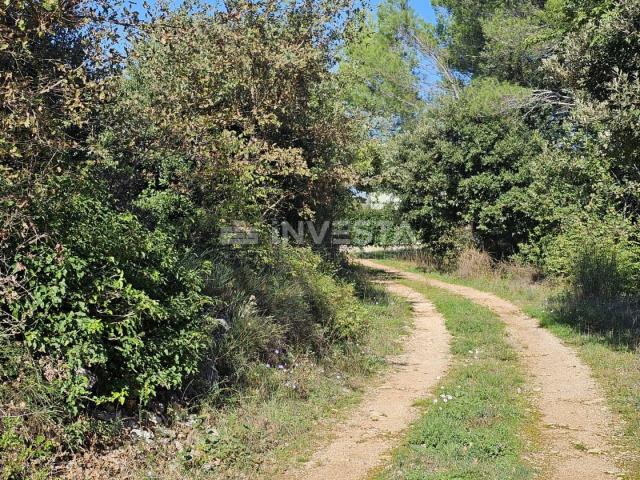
x=469, y=167
x=231, y=117
x=289, y=299
x=601, y=297
x=111, y=299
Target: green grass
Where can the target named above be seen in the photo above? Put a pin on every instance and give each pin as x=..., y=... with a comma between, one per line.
x=615, y=366
x=483, y=428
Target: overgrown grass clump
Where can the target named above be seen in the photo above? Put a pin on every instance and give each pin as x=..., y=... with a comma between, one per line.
x=477, y=426
x=602, y=296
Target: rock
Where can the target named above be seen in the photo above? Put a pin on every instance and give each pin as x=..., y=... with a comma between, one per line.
x=143, y=434
x=153, y=418
x=375, y=416
x=166, y=432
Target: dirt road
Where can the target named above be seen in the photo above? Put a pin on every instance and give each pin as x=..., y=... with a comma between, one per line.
x=364, y=441
x=578, y=427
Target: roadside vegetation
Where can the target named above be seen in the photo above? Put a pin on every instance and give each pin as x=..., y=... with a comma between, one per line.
x=135, y=147
x=269, y=417
x=479, y=423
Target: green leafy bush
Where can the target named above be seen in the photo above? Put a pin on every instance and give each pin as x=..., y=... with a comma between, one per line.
x=299, y=290
x=23, y=456
x=598, y=273
x=603, y=267
x=467, y=166
x=114, y=301
x=600, y=257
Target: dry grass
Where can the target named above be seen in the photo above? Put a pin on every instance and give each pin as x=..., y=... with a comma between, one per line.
x=469, y=264
x=476, y=264
x=473, y=263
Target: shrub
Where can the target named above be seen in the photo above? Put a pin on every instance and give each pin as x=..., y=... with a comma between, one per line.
x=473, y=263
x=466, y=166
x=598, y=274
x=602, y=297
x=250, y=336
x=278, y=301
x=114, y=302
x=600, y=256
x=23, y=456
x=301, y=292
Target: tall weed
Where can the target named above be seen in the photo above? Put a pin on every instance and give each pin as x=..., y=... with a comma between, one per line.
x=602, y=297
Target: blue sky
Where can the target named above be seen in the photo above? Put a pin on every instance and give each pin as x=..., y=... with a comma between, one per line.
x=423, y=7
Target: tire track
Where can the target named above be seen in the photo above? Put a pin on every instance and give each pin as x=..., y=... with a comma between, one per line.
x=364, y=441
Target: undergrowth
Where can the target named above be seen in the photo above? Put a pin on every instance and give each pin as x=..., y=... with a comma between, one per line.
x=275, y=416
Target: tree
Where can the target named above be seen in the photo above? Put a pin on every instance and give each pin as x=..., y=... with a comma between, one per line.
x=380, y=69
x=504, y=39
x=115, y=210
x=467, y=165
x=554, y=179
x=236, y=115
